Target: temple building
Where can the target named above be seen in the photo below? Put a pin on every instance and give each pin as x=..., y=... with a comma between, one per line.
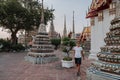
x=85, y=38
x=21, y=39
x=27, y=37
x=77, y=36
x=70, y=34
x=107, y=66
x=101, y=13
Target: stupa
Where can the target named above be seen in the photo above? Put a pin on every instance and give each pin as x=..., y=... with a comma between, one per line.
x=52, y=33
x=42, y=51
x=107, y=67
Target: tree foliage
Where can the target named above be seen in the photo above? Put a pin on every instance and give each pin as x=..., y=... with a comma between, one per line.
x=56, y=42
x=67, y=45
x=7, y=46
x=68, y=42
x=15, y=17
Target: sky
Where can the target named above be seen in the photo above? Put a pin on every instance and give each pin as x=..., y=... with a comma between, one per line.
x=65, y=7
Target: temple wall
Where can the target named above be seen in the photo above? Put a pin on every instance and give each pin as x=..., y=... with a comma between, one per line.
x=98, y=32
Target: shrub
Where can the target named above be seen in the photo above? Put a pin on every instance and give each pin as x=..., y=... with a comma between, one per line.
x=56, y=42
x=8, y=46
x=67, y=58
x=17, y=47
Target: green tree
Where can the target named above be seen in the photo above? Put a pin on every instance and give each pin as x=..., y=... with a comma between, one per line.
x=65, y=41
x=15, y=17
x=56, y=42
x=67, y=45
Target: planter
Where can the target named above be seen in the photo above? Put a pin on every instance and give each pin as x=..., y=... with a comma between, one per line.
x=67, y=64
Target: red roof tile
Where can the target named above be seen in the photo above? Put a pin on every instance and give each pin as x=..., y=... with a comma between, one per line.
x=96, y=6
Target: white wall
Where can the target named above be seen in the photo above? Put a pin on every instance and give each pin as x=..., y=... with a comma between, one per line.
x=99, y=30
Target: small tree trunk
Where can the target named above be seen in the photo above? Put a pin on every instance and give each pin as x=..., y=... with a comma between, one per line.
x=68, y=54
x=56, y=47
x=13, y=38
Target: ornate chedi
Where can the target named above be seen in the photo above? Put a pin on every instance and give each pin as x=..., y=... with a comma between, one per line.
x=52, y=33
x=42, y=50
x=108, y=64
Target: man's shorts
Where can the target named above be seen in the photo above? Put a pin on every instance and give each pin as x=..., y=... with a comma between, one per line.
x=77, y=60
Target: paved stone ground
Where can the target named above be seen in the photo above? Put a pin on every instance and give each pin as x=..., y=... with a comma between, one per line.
x=14, y=67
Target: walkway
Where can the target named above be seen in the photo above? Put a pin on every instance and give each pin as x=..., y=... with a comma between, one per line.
x=14, y=67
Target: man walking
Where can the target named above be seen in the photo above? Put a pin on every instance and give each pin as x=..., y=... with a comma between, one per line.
x=78, y=54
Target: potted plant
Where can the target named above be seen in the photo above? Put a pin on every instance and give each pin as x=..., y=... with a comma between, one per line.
x=67, y=45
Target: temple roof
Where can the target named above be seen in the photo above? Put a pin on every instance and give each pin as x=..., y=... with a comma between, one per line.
x=96, y=6
x=85, y=33
x=86, y=30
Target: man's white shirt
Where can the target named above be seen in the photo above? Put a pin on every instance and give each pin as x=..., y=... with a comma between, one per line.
x=77, y=51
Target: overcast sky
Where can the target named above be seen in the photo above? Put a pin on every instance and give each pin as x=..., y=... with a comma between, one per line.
x=66, y=7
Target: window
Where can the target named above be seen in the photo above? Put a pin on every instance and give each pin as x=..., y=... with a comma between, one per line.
x=100, y=16
x=112, y=8
x=92, y=21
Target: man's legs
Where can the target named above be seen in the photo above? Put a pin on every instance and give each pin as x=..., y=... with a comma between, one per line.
x=78, y=69
x=78, y=63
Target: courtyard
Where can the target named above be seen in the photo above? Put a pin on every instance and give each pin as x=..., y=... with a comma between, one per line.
x=14, y=67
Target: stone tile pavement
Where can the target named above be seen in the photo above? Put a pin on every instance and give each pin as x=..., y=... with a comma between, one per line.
x=14, y=67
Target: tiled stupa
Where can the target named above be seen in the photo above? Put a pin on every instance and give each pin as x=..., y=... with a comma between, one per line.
x=108, y=65
x=42, y=50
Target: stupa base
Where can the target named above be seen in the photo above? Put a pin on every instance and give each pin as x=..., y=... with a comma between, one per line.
x=93, y=56
x=41, y=58
x=93, y=74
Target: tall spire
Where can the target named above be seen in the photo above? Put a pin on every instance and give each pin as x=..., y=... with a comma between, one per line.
x=73, y=23
x=42, y=17
x=52, y=29
x=73, y=32
x=42, y=27
x=65, y=22
x=65, y=30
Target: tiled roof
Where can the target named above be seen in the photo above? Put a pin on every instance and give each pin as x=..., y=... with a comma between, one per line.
x=96, y=6
x=85, y=33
